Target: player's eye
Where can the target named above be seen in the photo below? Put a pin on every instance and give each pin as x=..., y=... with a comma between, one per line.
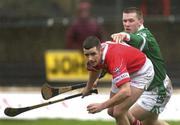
x=131, y=20
x=124, y=21
x=86, y=55
x=93, y=54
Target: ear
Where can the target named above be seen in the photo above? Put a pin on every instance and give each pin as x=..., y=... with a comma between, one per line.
x=141, y=21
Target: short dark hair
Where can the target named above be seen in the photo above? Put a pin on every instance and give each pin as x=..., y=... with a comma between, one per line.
x=91, y=42
x=134, y=10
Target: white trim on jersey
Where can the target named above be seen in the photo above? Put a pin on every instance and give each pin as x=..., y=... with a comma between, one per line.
x=143, y=35
x=105, y=48
x=144, y=42
x=120, y=77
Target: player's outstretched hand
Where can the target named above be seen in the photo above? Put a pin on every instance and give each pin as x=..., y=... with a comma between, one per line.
x=120, y=37
x=94, y=108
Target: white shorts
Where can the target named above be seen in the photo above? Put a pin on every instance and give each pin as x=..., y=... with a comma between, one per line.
x=140, y=79
x=154, y=102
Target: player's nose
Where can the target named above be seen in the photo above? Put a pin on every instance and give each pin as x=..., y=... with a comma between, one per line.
x=90, y=58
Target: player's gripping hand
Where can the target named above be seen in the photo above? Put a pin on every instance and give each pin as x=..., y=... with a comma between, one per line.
x=120, y=37
x=85, y=91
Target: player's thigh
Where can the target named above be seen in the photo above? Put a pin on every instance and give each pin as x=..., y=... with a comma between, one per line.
x=147, y=117
x=143, y=115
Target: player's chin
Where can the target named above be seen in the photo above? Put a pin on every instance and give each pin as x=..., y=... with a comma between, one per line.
x=94, y=64
x=128, y=30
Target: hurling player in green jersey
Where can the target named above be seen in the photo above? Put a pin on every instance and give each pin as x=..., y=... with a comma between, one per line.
x=135, y=34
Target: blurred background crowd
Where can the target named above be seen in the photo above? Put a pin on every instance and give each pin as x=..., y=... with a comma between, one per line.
x=28, y=28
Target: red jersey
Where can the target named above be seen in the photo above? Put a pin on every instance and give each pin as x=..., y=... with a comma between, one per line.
x=120, y=60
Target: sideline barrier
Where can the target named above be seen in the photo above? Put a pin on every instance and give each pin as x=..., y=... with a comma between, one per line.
x=70, y=109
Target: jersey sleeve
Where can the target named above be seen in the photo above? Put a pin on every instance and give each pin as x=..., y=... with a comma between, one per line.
x=138, y=41
x=117, y=67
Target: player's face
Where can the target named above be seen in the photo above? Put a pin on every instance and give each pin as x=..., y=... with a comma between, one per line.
x=131, y=22
x=93, y=56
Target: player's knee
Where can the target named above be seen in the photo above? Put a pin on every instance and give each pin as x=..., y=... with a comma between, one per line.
x=110, y=112
x=151, y=122
x=119, y=113
x=116, y=112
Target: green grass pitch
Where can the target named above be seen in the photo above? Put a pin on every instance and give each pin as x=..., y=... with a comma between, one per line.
x=62, y=122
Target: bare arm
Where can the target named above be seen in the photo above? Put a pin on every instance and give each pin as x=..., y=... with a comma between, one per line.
x=93, y=76
x=124, y=93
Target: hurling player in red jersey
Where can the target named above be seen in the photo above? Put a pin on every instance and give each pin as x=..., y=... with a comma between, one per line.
x=132, y=73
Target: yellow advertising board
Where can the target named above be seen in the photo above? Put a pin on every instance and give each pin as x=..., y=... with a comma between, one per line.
x=66, y=65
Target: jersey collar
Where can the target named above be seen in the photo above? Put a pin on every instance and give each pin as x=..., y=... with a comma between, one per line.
x=104, y=47
x=141, y=27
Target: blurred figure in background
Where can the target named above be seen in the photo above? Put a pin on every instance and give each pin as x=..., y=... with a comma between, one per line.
x=83, y=26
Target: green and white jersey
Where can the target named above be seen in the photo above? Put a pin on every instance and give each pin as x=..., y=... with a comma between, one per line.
x=146, y=42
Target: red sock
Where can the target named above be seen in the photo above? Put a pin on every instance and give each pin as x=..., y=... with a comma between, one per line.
x=137, y=122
